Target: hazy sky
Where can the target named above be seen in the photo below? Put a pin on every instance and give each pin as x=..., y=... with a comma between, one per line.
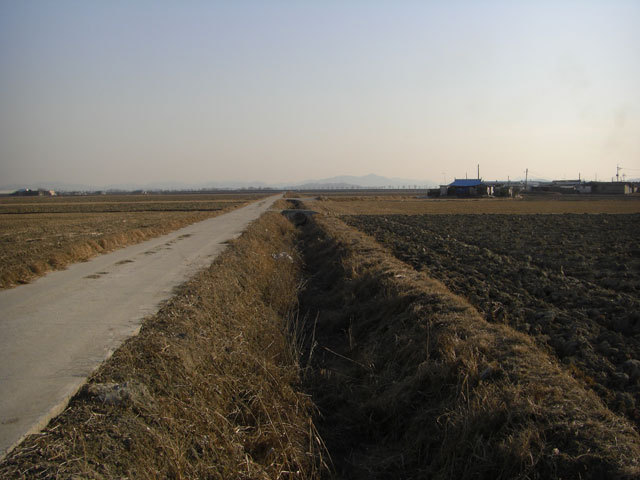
x=112, y=91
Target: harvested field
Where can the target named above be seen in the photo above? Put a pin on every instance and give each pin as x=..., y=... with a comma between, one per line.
x=123, y=203
x=572, y=282
x=314, y=353
x=383, y=205
x=210, y=388
x=75, y=229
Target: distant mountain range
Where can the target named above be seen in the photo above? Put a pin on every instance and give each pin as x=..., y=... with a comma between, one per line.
x=340, y=182
x=366, y=181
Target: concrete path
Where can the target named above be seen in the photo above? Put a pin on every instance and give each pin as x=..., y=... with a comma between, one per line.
x=57, y=330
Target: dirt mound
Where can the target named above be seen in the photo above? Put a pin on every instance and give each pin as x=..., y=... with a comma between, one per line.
x=411, y=381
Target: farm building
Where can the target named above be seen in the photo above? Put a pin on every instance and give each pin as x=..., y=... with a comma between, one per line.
x=469, y=188
x=612, y=188
x=506, y=188
x=561, y=186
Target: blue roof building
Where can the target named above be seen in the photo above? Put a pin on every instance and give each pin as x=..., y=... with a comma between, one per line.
x=474, y=187
x=459, y=182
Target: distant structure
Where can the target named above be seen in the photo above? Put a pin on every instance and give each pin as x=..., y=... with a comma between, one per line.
x=572, y=187
x=614, y=188
x=508, y=188
x=466, y=188
x=27, y=192
x=477, y=187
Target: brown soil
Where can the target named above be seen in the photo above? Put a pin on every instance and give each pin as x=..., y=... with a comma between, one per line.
x=363, y=205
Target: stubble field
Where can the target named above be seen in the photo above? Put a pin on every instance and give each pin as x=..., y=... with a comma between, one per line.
x=47, y=233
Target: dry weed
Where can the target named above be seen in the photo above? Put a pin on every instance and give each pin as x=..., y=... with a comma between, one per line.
x=411, y=382
x=208, y=389
x=32, y=244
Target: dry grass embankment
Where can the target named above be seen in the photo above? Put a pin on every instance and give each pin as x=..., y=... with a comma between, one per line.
x=281, y=204
x=571, y=282
x=32, y=244
x=411, y=382
x=208, y=389
x=380, y=205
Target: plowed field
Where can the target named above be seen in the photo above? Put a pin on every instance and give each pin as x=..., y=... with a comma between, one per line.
x=572, y=282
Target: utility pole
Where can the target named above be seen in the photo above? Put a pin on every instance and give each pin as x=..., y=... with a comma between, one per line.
x=618, y=173
x=478, y=171
x=526, y=178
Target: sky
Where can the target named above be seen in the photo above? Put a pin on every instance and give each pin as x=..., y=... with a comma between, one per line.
x=107, y=92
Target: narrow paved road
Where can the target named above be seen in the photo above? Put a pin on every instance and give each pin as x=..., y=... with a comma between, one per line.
x=55, y=331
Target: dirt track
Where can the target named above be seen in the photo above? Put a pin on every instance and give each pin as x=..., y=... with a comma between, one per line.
x=57, y=330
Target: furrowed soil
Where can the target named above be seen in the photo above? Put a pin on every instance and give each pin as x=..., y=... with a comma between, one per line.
x=572, y=282
x=412, y=382
x=42, y=234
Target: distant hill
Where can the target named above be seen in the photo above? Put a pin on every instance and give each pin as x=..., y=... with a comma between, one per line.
x=366, y=181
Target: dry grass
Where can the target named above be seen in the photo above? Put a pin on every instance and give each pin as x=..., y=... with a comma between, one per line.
x=414, y=206
x=122, y=203
x=571, y=282
x=208, y=389
x=411, y=382
x=33, y=243
x=280, y=204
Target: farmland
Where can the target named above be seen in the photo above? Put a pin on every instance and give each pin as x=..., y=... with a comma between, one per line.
x=411, y=205
x=412, y=382
x=43, y=233
x=572, y=282
x=485, y=346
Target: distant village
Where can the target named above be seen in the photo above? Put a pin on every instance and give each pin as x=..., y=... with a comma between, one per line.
x=460, y=187
x=478, y=187
x=28, y=192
